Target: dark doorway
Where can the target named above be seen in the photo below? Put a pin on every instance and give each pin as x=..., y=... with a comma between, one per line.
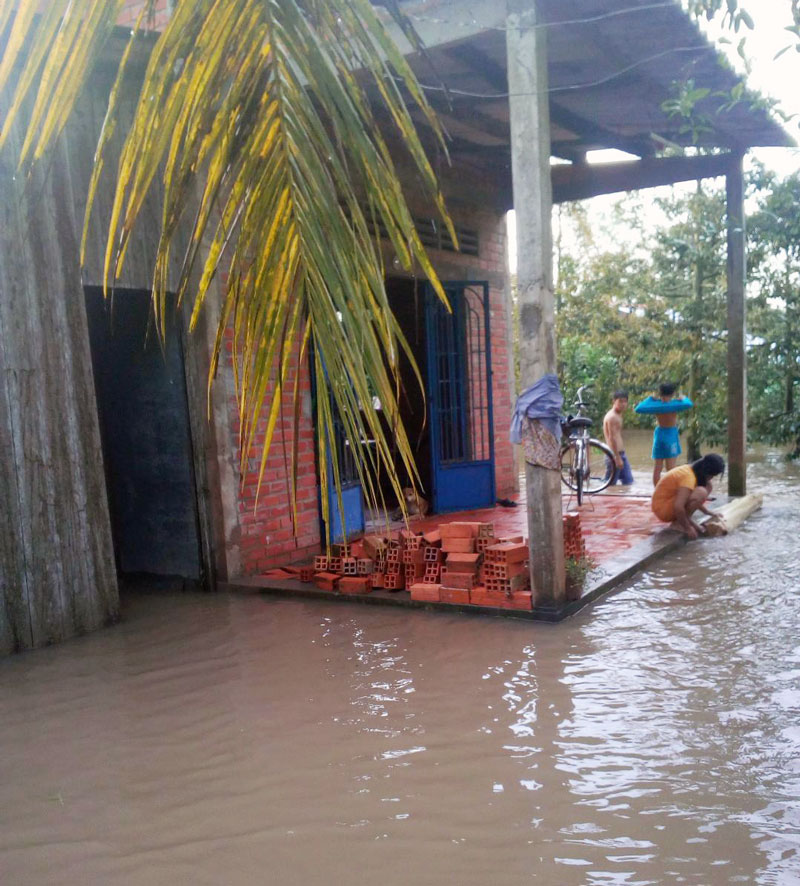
x=147, y=449
x=407, y=300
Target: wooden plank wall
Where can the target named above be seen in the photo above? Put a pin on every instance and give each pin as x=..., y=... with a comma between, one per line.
x=56, y=556
x=57, y=571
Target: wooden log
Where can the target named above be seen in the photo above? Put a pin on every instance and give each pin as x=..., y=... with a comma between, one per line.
x=733, y=514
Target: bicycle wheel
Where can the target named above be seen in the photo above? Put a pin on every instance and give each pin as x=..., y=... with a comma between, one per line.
x=601, y=469
x=568, y=472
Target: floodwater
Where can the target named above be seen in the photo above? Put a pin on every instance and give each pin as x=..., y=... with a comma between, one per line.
x=652, y=739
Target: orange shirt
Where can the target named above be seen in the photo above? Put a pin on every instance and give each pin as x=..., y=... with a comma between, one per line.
x=663, y=503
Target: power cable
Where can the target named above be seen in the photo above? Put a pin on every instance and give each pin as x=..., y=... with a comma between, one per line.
x=429, y=87
x=542, y=25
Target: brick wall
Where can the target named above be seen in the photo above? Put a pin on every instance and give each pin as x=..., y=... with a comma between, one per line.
x=266, y=535
x=489, y=265
x=132, y=8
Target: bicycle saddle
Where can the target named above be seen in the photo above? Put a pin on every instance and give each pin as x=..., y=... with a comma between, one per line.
x=578, y=421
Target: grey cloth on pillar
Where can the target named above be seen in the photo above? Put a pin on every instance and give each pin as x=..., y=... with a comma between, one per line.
x=536, y=423
x=542, y=401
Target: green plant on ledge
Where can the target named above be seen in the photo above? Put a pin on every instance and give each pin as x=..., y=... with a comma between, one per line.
x=578, y=569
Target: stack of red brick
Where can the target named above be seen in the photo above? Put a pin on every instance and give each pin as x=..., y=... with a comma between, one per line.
x=463, y=563
x=574, y=545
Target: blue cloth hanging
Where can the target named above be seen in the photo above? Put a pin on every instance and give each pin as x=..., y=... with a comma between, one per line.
x=543, y=401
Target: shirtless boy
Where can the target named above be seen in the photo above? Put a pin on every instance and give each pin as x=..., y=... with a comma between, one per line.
x=666, y=441
x=612, y=431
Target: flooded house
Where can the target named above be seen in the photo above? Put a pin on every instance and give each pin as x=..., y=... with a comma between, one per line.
x=114, y=462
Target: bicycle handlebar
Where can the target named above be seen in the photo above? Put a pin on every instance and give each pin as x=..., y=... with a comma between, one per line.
x=579, y=401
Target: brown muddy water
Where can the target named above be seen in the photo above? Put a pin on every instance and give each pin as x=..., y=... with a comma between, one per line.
x=654, y=738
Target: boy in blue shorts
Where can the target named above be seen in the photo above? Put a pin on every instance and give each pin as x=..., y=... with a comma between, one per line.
x=666, y=440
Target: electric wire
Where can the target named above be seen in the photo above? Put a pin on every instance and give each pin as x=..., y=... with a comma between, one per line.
x=542, y=25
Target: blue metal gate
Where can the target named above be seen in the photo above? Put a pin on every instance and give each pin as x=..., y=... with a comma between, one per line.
x=460, y=398
x=352, y=493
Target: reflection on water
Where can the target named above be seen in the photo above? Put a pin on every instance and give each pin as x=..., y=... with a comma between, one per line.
x=210, y=740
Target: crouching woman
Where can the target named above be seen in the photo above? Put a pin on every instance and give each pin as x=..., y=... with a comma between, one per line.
x=684, y=490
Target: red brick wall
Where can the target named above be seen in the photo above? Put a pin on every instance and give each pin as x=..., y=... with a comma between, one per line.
x=132, y=8
x=490, y=265
x=266, y=536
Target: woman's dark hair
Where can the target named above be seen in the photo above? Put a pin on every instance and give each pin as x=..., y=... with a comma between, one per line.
x=707, y=467
x=667, y=389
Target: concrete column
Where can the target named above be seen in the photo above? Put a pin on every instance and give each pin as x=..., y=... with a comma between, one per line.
x=530, y=159
x=737, y=356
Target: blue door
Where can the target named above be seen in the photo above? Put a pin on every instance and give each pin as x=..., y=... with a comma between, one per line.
x=352, y=494
x=460, y=398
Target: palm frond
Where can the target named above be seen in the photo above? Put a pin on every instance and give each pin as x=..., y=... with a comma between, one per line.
x=255, y=121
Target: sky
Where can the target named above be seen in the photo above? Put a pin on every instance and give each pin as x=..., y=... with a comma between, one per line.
x=775, y=78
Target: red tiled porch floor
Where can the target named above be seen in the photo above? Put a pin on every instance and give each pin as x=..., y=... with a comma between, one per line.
x=612, y=522
x=621, y=534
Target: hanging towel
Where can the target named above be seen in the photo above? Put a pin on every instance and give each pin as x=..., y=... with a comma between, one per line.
x=542, y=401
x=536, y=423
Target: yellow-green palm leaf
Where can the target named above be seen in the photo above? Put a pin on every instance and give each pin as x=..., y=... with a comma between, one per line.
x=260, y=107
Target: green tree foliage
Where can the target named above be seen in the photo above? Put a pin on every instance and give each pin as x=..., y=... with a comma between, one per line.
x=654, y=312
x=689, y=263
x=774, y=366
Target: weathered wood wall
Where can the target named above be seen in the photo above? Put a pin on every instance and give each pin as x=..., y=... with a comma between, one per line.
x=57, y=570
x=57, y=574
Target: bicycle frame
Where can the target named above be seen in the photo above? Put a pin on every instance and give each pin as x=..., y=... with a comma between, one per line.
x=579, y=467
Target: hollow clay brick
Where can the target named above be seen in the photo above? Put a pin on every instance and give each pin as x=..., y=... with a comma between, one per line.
x=326, y=581
x=460, y=562
x=393, y=581
x=356, y=584
x=372, y=544
x=452, y=579
x=453, y=595
x=481, y=596
x=457, y=530
x=460, y=545
x=425, y=592
x=507, y=553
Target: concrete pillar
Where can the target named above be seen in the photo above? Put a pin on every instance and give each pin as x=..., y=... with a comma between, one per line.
x=530, y=159
x=737, y=356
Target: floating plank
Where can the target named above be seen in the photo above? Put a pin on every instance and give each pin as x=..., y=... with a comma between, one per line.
x=733, y=514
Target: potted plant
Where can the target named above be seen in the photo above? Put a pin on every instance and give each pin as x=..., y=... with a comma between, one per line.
x=578, y=569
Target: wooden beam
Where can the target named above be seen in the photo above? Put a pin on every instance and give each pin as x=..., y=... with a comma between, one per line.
x=737, y=325
x=530, y=158
x=593, y=132
x=482, y=65
x=581, y=181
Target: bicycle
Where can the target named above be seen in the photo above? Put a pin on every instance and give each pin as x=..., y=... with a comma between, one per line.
x=587, y=465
